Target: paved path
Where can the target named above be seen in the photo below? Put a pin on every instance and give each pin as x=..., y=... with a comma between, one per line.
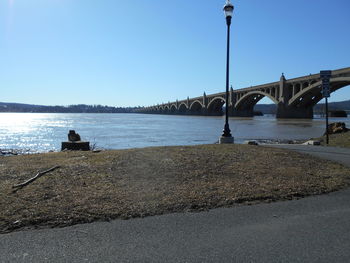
x=314, y=229
x=341, y=155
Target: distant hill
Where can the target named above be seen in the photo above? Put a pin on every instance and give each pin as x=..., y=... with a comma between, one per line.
x=341, y=105
x=80, y=108
x=319, y=108
x=266, y=108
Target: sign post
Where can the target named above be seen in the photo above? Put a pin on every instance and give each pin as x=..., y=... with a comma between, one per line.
x=326, y=91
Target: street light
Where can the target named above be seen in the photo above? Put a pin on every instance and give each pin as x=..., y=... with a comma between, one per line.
x=228, y=10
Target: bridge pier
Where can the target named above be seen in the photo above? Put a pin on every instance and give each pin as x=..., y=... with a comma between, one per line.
x=241, y=113
x=285, y=112
x=214, y=113
x=204, y=111
x=195, y=112
x=183, y=112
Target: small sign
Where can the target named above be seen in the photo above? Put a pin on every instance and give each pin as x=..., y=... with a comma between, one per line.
x=326, y=87
x=326, y=84
x=326, y=93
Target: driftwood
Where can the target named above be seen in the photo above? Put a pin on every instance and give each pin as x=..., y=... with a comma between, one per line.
x=39, y=174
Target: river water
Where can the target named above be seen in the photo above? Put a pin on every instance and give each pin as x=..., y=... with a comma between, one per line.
x=39, y=132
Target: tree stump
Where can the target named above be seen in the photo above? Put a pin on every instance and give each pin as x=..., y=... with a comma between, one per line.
x=76, y=146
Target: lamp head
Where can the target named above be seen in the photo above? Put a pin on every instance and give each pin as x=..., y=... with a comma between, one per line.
x=228, y=9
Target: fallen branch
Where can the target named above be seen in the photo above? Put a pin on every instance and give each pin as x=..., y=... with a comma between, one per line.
x=20, y=186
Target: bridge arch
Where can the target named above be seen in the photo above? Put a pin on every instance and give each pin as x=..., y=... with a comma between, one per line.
x=173, y=108
x=183, y=108
x=249, y=100
x=196, y=107
x=305, y=85
x=166, y=109
x=311, y=95
x=159, y=109
x=215, y=106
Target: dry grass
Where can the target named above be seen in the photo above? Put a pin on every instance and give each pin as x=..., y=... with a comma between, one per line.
x=142, y=182
x=338, y=140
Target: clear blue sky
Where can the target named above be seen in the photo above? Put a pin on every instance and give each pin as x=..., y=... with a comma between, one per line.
x=129, y=53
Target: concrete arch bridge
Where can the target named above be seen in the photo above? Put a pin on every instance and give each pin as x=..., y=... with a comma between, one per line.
x=295, y=98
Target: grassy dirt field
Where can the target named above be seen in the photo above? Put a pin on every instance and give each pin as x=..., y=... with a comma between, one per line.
x=337, y=140
x=151, y=181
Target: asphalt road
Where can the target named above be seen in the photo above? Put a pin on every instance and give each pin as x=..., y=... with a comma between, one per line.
x=314, y=229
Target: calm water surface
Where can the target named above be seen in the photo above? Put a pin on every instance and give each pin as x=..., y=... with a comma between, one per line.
x=44, y=132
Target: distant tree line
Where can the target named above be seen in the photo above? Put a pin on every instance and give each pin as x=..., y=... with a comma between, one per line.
x=83, y=108
x=333, y=106
x=80, y=108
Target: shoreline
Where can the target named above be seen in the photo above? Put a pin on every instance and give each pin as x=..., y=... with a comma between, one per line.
x=15, y=152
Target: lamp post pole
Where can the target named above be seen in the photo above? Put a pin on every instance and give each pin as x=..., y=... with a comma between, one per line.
x=226, y=136
x=326, y=91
